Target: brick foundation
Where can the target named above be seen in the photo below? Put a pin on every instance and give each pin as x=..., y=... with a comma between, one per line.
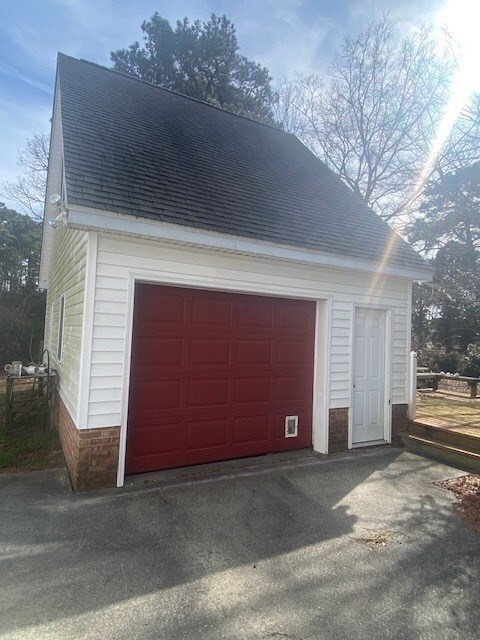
x=337, y=430
x=91, y=454
x=399, y=421
x=338, y=427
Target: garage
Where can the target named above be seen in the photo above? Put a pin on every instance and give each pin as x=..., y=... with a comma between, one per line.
x=216, y=268
x=217, y=376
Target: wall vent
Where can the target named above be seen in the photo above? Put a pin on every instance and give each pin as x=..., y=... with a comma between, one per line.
x=291, y=426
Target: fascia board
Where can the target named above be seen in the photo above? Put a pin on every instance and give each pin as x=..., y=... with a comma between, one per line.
x=111, y=222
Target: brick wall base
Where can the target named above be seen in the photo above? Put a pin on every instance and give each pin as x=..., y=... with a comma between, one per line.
x=91, y=454
x=337, y=430
x=399, y=421
x=338, y=427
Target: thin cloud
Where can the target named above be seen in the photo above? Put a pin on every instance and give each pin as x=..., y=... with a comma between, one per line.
x=287, y=36
x=8, y=70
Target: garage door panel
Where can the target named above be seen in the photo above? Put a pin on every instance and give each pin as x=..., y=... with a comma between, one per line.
x=156, y=394
x=214, y=374
x=168, y=310
x=292, y=316
x=145, y=418
x=292, y=389
x=248, y=390
x=254, y=351
x=293, y=352
x=159, y=351
x=255, y=428
x=156, y=439
x=152, y=462
x=209, y=351
x=211, y=311
x=254, y=314
x=204, y=434
x=150, y=373
x=207, y=392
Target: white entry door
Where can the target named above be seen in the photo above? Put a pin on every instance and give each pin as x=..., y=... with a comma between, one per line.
x=369, y=376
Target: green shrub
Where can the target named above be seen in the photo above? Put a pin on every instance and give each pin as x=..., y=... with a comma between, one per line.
x=471, y=365
x=452, y=362
x=467, y=364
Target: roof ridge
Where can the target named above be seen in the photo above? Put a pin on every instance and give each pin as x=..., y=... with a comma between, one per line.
x=182, y=95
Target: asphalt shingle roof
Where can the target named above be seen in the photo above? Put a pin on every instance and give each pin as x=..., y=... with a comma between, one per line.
x=135, y=148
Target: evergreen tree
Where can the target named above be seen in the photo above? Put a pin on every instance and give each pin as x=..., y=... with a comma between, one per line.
x=20, y=240
x=22, y=306
x=450, y=211
x=200, y=60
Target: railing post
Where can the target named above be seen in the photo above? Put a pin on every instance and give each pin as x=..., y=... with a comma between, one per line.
x=412, y=386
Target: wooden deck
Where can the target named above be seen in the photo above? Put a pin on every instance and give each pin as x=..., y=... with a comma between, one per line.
x=446, y=426
x=452, y=411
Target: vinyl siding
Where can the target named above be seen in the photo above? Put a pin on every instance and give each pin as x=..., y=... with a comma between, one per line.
x=67, y=276
x=118, y=258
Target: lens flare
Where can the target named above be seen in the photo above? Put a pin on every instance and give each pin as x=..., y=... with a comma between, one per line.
x=460, y=19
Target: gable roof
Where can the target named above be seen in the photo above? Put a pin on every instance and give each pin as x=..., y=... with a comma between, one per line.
x=135, y=148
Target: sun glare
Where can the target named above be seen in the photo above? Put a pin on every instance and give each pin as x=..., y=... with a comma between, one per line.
x=460, y=19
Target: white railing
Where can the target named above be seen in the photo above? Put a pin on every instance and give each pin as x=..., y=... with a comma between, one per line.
x=412, y=386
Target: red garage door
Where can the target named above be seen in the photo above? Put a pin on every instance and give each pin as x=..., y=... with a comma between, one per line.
x=214, y=376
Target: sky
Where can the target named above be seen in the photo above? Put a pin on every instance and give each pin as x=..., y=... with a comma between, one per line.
x=287, y=36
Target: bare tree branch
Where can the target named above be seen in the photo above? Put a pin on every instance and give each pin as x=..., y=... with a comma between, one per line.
x=28, y=188
x=374, y=119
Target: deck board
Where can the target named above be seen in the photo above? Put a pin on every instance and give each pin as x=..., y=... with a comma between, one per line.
x=454, y=412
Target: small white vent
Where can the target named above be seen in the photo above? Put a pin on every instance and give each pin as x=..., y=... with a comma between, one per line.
x=291, y=426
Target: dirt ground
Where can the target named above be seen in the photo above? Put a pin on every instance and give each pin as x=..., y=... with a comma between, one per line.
x=467, y=490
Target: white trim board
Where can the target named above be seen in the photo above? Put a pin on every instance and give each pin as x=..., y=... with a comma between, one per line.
x=122, y=449
x=121, y=224
x=87, y=330
x=321, y=377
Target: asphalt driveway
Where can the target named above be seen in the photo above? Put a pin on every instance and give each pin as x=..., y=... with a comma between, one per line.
x=271, y=550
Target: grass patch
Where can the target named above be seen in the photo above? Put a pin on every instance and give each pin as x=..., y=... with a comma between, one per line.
x=35, y=451
x=27, y=445
x=7, y=458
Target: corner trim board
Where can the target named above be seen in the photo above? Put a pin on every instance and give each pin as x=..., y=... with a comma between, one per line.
x=321, y=378
x=87, y=331
x=122, y=450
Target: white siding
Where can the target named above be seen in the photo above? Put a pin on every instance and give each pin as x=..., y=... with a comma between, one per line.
x=119, y=258
x=67, y=276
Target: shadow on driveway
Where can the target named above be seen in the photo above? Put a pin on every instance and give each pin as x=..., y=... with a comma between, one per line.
x=269, y=552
